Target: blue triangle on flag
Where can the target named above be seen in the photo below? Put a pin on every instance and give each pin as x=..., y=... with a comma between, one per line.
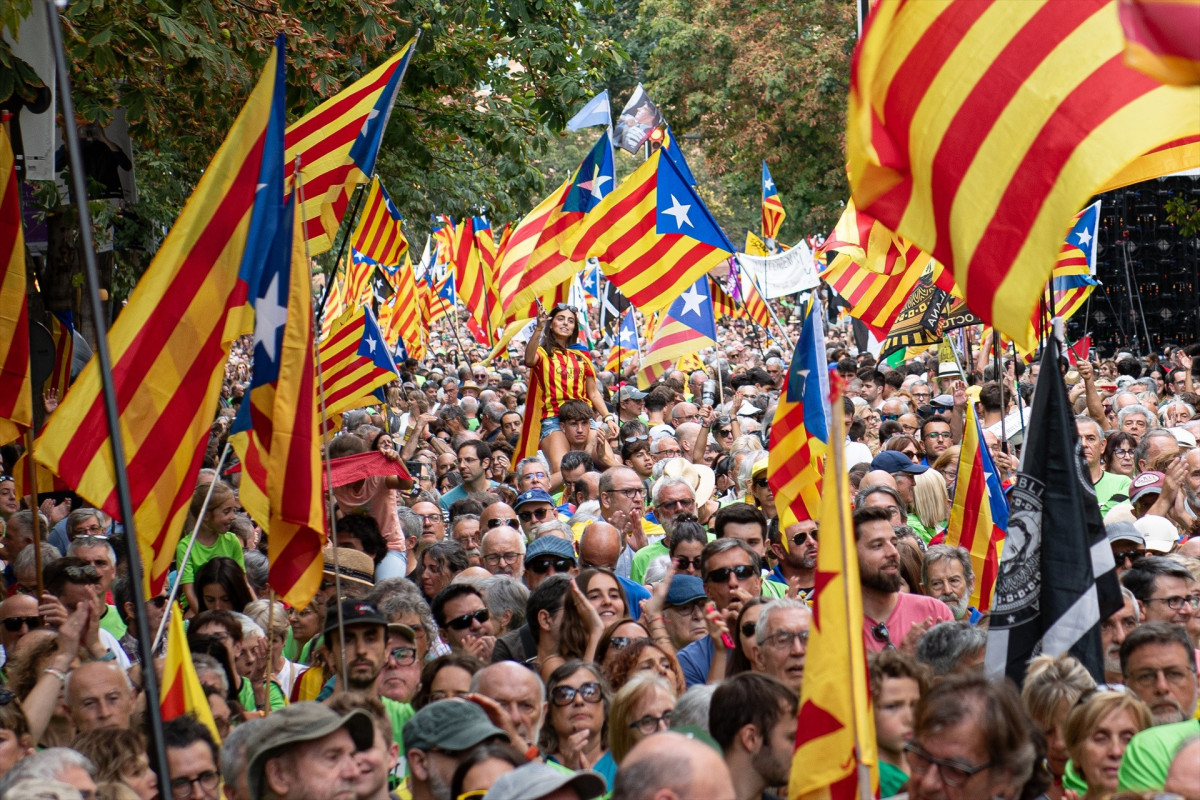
x=1083, y=234
x=373, y=346
x=675, y=152
x=680, y=210
x=808, y=375
x=694, y=309
x=768, y=185
x=365, y=149
x=595, y=178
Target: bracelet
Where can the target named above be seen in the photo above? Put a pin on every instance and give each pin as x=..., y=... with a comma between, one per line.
x=109, y=655
x=532, y=752
x=653, y=620
x=58, y=673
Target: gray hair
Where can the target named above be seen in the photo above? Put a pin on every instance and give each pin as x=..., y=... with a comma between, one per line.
x=691, y=710
x=469, y=405
x=206, y=663
x=659, y=440
x=656, y=570
x=23, y=521
x=258, y=568
x=944, y=552
x=250, y=628
x=761, y=631
x=549, y=528
x=588, y=513
x=260, y=612
x=396, y=596
x=92, y=541
x=37, y=789
x=1143, y=446
x=943, y=646
x=863, y=494
x=83, y=514
x=534, y=459
x=1137, y=408
x=1079, y=418
x=233, y=750
x=503, y=593
x=495, y=412
x=24, y=560
x=665, y=482
x=1137, y=606
x=47, y=765
x=1162, y=411
x=410, y=523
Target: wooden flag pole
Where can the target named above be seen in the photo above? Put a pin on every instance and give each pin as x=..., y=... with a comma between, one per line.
x=112, y=415
x=31, y=472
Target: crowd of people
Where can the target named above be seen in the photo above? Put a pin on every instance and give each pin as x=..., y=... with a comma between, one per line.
x=625, y=613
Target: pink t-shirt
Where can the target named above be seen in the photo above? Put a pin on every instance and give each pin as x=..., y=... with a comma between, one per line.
x=376, y=499
x=910, y=609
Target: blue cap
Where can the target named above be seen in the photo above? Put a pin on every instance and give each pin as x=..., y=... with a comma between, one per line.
x=685, y=589
x=533, y=496
x=549, y=545
x=894, y=461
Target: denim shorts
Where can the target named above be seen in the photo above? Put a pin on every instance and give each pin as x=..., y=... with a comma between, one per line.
x=550, y=425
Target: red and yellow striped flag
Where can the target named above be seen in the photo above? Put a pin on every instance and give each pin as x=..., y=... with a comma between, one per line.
x=181, y=692
x=359, y=290
x=335, y=304
x=976, y=128
x=755, y=306
x=514, y=258
x=64, y=352
x=723, y=305
x=488, y=250
x=865, y=241
x=169, y=345
x=874, y=298
x=378, y=235
x=354, y=362
x=1161, y=39
x=835, y=736
x=326, y=137
x=773, y=212
x=16, y=400
x=979, y=515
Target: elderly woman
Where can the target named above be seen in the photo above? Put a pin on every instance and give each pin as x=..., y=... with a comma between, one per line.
x=641, y=708
x=1052, y=686
x=1097, y=732
x=576, y=730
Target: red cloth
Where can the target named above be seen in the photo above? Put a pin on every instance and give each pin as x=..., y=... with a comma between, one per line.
x=361, y=466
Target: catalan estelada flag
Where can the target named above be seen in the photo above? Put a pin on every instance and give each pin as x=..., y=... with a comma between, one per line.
x=723, y=305
x=359, y=274
x=800, y=438
x=354, y=362
x=181, y=692
x=335, y=303
x=687, y=327
x=338, y=142
x=514, y=259
x=626, y=343
x=979, y=514
x=773, y=212
x=835, y=736
x=976, y=128
x=378, y=236
x=62, y=331
x=653, y=235
x=169, y=345
x=443, y=302
x=16, y=400
x=1161, y=40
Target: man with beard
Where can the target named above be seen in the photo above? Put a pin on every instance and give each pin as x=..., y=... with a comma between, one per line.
x=672, y=498
x=465, y=530
x=946, y=574
x=797, y=564
x=307, y=752
x=1112, y=635
x=475, y=466
x=1159, y=666
x=888, y=614
x=439, y=737
x=753, y=719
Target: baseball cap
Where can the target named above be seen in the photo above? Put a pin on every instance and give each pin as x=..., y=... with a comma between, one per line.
x=298, y=723
x=894, y=461
x=451, y=724
x=355, y=612
x=1124, y=532
x=1161, y=534
x=1146, y=484
x=533, y=496
x=535, y=780
x=549, y=545
x=943, y=401
x=630, y=393
x=685, y=589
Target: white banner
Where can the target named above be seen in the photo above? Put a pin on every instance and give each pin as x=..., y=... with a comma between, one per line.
x=782, y=274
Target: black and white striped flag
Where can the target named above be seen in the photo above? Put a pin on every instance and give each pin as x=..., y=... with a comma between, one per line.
x=1057, y=579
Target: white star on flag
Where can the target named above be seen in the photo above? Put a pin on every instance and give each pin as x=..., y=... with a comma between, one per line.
x=769, y=184
x=370, y=344
x=626, y=336
x=680, y=212
x=269, y=317
x=692, y=300
x=366, y=122
x=1085, y=238
x=598, y=182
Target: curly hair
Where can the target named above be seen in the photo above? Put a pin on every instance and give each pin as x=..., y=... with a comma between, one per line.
x=624, y=666
x=115, y=752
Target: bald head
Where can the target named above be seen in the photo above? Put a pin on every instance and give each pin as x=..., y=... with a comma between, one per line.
x=496, y=511
x=600, y=545
x=497, y=548
x=877, y=477
x=686, y=433
x=671, y=762
x=518, y=690
x=472, y=575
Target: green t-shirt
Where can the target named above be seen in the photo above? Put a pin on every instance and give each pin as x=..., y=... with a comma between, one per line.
x=926, y=534
x=274, y=696
x=643, y=557
x=1148, y=757
x=891, y=779
x=111, y=622
x=1111, y=490
x=772, y=589
x=399, y=713
x=227, y=544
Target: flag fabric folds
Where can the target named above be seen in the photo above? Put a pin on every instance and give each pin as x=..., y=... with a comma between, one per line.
x=800, y=438
x=443, y=302
x=515, y=257
x=596, y=112
x=16, y=400
x=835, y=736
x=62, y=331
x=1057, y=579
x=773, y=212
x=378, y=236
x=170, y=343
x=358, y=280
x=687, y=327
x=975, y=128
x=979, y=515
x=625, y=344
x=653, y=235
x=354, y=362
x=181, y=692
x=875, y=298
x=337, y=143
x=335, y=303
x=1161, y=40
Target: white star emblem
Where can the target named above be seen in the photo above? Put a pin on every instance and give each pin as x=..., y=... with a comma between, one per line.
x=269, y=317
x=691, y=300
x=626, y=337
x=259, y=188
x=598, y=182
x=370, y=340
x=1085, y=237
x=680, y=212
x=769, y=184
x=372, y=114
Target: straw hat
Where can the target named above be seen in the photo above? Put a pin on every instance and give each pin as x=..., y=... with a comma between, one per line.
x=353, y=566
x=699, y=477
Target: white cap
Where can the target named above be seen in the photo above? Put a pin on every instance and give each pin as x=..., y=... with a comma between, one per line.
x=1161, y=534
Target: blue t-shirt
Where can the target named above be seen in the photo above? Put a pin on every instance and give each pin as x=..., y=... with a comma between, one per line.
x=635, y=593
x=696, y=660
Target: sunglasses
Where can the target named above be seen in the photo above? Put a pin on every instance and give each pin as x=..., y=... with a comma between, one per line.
x=621, y=642
x=803, y=536
x=541, y=566
x=563, y=696
x=749, y=629
x=497, y=522
x=462, y=623
x=639, y=438
x=539, y=514
x=14, y=624
x=880, y=632
x=683, y=562
x=743, y=572
x=1120, y=556
x=761, y=483
x=86, y=573
x=725, y=432
x=889, y=417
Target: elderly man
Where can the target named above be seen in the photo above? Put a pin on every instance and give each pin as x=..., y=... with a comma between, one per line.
x=465, y=531
x=96, y=551
x=684, y=611
x=1111, y=488
x=623, y=505
x=1159, y=665
x=433, y=524
x=533, y=473
x=306, y=751
x=665, y=447
x=1151, y=447
x=1163, y=588
x=732, y=577
x=671, y=765
x=1135, y=420
x=496, y=515
x=630, y=404
x=519, y=693
x=18, y=616
x=672, y=498
x=1127, y=543
x=503, y=551
x=438, y=738
x=533, y=508
x=18, y=534
x=549, y=555
x=782, y=638
x=946, y=574
x=98, y=695
x=1114, y=631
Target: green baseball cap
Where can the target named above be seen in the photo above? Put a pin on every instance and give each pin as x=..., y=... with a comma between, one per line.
x=296, y=724
x=451, y=724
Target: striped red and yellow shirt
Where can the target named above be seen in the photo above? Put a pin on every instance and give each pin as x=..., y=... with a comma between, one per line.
x=564, y=375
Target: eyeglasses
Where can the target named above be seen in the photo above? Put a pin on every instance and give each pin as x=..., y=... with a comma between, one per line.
x=632, y=494
x=404, y=655
x=683, y=562
x=494, y=559
x=939, y=435
x=14, y=624
x=671, y=505
x=761, y=483
x=639, y=438
x=889, y=417
x=953, y=773
x=1174, y=675
x=803, y=536
x=880, y=632
x=744, y=572
x=181, y=788
x=89, y=530
x=540, y=566
x=497, y=522
x=539, y=475
x=563, y=696
x=621, y=642
x=1121, y=452
x=1176, y=603
x=539, y=514
x=651, y=724
x=1120, y=556
x=784, y=640
x=921, y=395
x=462, y=623
x=430, y=518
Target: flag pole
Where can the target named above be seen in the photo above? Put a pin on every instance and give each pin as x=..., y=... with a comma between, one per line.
x=111, y=414
x=33, y=504
x=358, y=196
x=187, y=553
